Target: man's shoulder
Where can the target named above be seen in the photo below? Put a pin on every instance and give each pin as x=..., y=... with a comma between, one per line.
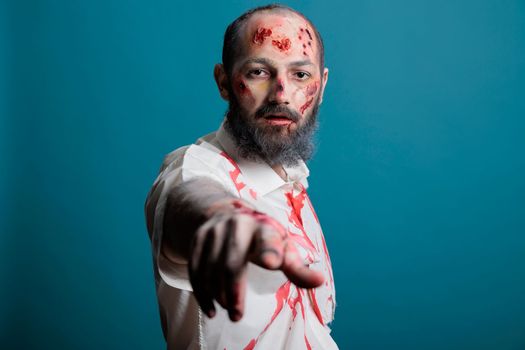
x=205, y=151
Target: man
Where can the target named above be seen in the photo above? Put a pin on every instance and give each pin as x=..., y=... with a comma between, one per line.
x=240, y=258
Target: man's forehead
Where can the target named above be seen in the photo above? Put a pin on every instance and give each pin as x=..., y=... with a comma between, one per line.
x=286, y=31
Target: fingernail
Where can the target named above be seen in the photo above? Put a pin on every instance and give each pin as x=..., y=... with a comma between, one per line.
x=210, y=313
x=235, y=315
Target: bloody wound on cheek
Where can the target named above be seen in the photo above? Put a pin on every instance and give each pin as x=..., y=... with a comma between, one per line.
x=241, y=88
x=311, y=89
x=306, y=105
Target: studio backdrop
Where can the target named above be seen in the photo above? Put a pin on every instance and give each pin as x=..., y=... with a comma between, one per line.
x=418, y=178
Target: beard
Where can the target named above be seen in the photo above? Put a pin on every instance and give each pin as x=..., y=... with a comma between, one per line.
x=274, y=144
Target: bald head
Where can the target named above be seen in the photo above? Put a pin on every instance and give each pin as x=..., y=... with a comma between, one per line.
x=272, y=25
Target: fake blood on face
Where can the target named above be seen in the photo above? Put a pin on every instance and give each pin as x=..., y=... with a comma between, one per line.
x=309, y=35
x=306, y=105
x=260, y=35
x=283, y=44
x=243, y=89
x=311, y=89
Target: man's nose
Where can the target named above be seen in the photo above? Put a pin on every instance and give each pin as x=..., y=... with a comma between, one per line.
x=279, y=92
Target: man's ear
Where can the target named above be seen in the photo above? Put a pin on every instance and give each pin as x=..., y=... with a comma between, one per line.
x=323, y=85
x=222, y=81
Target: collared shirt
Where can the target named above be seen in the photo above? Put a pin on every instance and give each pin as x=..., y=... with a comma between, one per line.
x=278, y=315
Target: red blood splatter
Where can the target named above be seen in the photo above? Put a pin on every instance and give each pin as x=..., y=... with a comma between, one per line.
x=253, y=194
x=300, y=37
x=304, y=53
x=310, y=43
x=281, y=296
x=312, y=208
x=260, y=35
x=311, y=89
x=302, y=30
x=304, y=46
x=308, y=346
x=292, y=302
x=283, y=44
x=234, y=174
x=327, y=256
x=315, y=305
x=296, y=204
x=306, y=105
x=303, y=242
x=250, y=345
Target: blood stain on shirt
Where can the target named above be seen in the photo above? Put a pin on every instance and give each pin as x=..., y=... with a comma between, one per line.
x=234, y=174
x=281, y=296
x=325, y=249
x=296, y=204
x=308, y=346
x=250, y=345
x=315, y=305
x=253, y=194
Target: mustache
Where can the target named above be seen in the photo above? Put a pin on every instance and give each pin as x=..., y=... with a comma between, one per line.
x=270, y=109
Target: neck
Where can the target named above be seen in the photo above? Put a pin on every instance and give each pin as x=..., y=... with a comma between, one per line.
x=278, y=168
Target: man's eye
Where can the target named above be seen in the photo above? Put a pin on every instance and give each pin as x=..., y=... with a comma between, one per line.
x=257, y=73
x=302, y=75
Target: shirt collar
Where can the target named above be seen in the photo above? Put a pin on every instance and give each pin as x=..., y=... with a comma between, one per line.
x=259, y=175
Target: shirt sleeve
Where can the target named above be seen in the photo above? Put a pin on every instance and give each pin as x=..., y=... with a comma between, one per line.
x=179, y=166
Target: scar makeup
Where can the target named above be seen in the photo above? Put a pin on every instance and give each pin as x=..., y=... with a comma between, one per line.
x=260, y=35
x=283, y=44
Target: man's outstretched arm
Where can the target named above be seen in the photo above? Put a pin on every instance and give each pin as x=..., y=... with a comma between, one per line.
x=217, y=234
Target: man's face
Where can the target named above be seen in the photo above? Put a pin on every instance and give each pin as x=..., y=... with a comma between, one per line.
x=276, y=84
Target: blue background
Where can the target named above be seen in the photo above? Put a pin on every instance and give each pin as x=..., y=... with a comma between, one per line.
x=419, y=178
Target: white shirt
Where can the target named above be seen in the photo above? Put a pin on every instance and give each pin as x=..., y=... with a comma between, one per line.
x=277, y=315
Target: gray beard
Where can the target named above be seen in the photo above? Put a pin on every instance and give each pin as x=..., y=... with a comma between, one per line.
x=268, y=143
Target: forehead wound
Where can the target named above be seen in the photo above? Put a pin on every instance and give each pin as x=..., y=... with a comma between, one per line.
x=283, y=33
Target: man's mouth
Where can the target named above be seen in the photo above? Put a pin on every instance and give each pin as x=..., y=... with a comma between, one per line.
x=278, y=119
